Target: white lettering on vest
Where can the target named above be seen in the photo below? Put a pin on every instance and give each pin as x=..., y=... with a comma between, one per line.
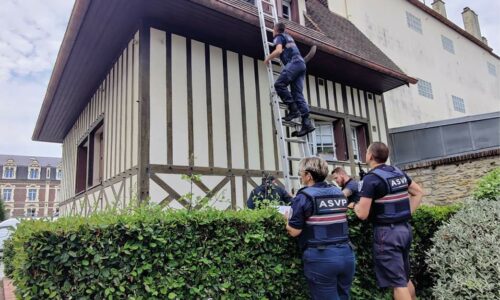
x=333, y=203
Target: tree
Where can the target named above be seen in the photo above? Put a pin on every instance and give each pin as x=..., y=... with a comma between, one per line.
x=2, y=210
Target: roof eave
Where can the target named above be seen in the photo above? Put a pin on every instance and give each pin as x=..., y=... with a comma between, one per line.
x=77, y=17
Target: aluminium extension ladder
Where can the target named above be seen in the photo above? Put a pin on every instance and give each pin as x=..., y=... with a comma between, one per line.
x=283, y=128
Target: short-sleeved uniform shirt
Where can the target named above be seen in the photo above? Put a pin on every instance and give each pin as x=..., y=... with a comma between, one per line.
x=353, y=186
x=287, y=53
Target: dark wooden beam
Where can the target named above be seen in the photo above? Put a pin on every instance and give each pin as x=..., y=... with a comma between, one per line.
x=144, y=113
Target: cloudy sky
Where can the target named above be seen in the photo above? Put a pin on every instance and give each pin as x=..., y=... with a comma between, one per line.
x=31, y=32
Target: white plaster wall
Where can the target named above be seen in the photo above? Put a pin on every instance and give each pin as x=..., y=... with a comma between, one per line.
x=463, y=74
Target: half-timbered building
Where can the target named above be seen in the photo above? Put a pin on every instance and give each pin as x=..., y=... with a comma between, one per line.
x=144, y=92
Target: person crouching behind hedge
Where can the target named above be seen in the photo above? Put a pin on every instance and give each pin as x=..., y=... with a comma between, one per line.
x=318, y=218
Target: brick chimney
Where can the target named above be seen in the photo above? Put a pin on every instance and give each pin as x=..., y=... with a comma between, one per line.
x=439, y=6
x=471, y=23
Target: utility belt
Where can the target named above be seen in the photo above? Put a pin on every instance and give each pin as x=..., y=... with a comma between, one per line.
x=327, y=244
x=379, y=224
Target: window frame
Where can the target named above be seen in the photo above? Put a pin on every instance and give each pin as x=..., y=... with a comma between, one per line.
x=34, y=169
x=425, y=89
x=458, y=104
x=448, y=44
x=86, y=159
x=492, y=69
x=28, y=194
x=31, y=212
x=288, y=5
x=313, y=140
x=413, y=22
x=11, y=189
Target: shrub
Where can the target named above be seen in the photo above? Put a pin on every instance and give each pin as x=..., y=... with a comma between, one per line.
x=2, y=210
x=466, y=253
x=488, y=187
x=184, y=255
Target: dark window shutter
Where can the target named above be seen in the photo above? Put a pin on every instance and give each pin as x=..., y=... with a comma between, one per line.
x=340, y=140
x=361, y=132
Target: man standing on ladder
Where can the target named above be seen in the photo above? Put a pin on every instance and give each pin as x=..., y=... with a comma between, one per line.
x=293, y=74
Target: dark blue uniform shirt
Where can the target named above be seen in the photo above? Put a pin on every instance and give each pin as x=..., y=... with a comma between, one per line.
x=273, y=192
x=353, y=186
x=288, y=53
x=302, y=208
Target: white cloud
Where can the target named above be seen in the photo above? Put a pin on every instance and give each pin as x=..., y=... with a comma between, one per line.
x=31, y=32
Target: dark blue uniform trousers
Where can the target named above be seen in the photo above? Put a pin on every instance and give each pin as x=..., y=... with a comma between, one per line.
x=293, y=74
x=329, y=271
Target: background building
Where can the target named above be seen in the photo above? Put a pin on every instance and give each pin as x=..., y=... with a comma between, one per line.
x=30, y=186
x=459, y=74
x=144, y=93
x=448, y=157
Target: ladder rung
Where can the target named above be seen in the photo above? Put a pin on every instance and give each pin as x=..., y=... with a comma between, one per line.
x=291, y=140
x=270, y=44
x=291, y=123
x=294, y=177
x=296, y=158
x=267, y=15
x=283, y=105
x=269, y=29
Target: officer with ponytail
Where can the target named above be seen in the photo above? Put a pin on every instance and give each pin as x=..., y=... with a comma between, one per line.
x=388, y=199
x=318, y=218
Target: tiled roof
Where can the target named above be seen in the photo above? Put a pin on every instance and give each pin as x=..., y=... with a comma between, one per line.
x=26, y=160
x=344, y=35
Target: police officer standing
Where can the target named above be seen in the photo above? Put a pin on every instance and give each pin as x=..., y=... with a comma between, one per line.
x=268, y=190
x=318, y=218
x=388, y=198
x=350, y=186
x=293, y=74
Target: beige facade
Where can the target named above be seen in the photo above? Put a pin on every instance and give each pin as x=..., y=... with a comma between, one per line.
x=29, y=186
x=455, y=64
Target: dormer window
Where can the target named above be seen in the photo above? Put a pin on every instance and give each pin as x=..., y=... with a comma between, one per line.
x=47, y=174
x=9, y=172
x=34, y=173
x=34, y=170
x=59, y=174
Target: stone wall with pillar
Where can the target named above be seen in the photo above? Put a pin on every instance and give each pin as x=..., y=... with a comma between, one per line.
x=452, y=179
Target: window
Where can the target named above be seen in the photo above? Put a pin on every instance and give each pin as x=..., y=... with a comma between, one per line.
x=359, y=140
x=9, y=172
x=90, y=160
x=287, y=9
x=47, y=174
x=425, y=88
x=492, y=69
x=34, y=173
x=414, y=22
x=32, y=194
x=355, y=146
x=59, y=174
x=31, y=212
x=7, y=194
x=322, y=140
x=447, y=44
x=458, y=104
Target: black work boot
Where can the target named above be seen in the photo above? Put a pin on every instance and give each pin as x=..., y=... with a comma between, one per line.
x=293, y=112
x=306, y=128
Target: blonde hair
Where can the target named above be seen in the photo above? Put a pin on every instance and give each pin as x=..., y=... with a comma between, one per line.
x=316, y=166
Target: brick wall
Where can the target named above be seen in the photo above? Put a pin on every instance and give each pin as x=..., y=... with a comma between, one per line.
x=447, y=180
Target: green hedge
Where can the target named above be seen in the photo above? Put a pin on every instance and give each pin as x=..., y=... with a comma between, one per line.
x=488, y=187
x=465, y=256
x=150, y=254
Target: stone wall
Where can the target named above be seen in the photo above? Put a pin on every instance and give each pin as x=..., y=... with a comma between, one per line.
x=447, y=180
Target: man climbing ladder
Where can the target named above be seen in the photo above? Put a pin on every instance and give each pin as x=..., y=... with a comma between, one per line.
x=293, y=74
